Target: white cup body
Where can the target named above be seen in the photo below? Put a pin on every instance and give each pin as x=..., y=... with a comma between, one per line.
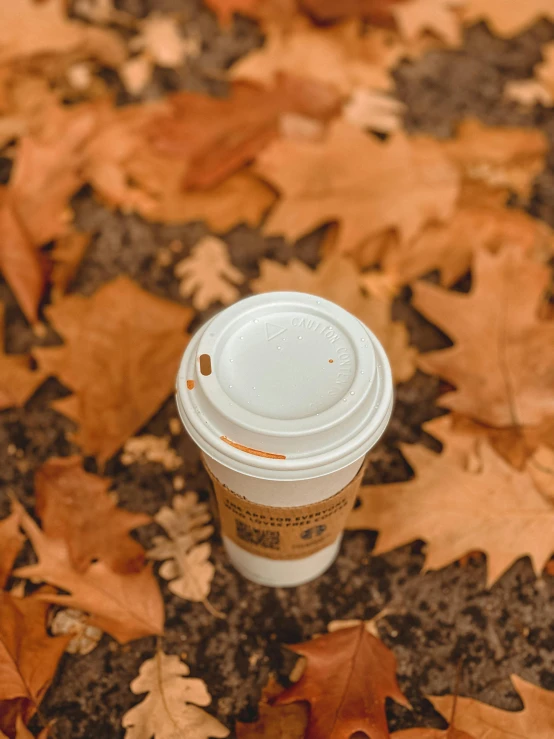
x=294, y=393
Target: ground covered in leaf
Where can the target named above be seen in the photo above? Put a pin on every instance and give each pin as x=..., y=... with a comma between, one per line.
x=132, y=239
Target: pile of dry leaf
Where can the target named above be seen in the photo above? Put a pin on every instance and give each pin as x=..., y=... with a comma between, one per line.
x=308, y=135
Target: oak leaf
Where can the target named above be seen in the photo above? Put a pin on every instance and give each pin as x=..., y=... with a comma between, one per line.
x=171, y=708
x=28, y=658
x=275, y=722
x=364, y=184
x=75, y=506
x=185, y=558
x=417, y=16
x=501, y=362
x=17, y=380
x=541, y=469
x=497, y=510
x=11, y=541
x=208, y=274
x=337, y=279
x=126, y=606
x=505, y=158
x=121, y=353
x=506, y=18
x=349, y=674
x=481, y=721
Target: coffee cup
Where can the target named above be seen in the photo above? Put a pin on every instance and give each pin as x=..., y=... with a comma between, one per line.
x=284, y=393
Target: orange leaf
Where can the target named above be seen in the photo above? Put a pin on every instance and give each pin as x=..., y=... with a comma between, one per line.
x=348, y=676
x=120, y=357
x=378, y=11
x=17, y=380
x=75, y=506
x=275, y=722
x=11, y=541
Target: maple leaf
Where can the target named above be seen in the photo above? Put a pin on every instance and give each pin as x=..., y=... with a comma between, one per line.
x=11, y=541
x=450, y=247
x=497, y=510
x=121, y=353
x=417, y=16
x=218, y=136
x=535, y=721
x=17, y=380
x=501, y=360
x=28, y=658
x=337, y=279
x=348, y=676
x=364, y=184
x=275, y=722
x=171, y=708
x=208, y=274
x=20, y=263
x=506, y=18
x=505, y=158
x=75, y=506
x=186, y=564
x=126, y=606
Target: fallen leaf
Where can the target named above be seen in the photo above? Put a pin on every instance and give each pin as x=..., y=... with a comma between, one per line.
x=149, y=448
x=501, y=361
x=450, y=733
x=528, y=92
x=225, y=9
x=208, y=274
x=275, y=722
x=337, y=279
x=450, y=247
x=364, y=184
x=185, y=559
x=506, y=18
x=374, y=110
x=11, y=542
x=171, y=707
x=481, y=721
x=502, y=157
x=18, y=381
x=349, y=674
x=70, y=621
x=120, y=357
x=75, y=506
x=126, y=606
x=66, y=256
x=28, y=658
x=22, y=732
x=541, y=469
x=217, y=136
x=377, y=11
x=20, y=263
x=31, y=29
x=437, y=16
x=497, y=510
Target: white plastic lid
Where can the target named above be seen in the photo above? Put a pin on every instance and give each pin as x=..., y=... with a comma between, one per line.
x=285, y=386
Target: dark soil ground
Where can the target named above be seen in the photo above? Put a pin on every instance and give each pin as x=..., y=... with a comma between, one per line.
x=445, y=628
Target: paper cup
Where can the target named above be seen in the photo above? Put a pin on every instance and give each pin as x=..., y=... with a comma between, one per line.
x=284, y=393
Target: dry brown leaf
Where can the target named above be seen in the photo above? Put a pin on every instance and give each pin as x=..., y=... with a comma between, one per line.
x=66, y=256
x=217, y=136
x=414, y=17
x=481, y=721
x=208, y=274
x=450, y=247
x=20, y=263
x=171, y=708
x=541, y=469
x=75, y=506
x=225, y=9
x=18, y=381
x=502, y=157
x=365, y=185
x=374, y=110
x=275, y=722
x=450, y=733
x=507, y=18
x=337, y=279
x=502, y=359
x=528, y=92
x=28, y=658
x=497, y=510
x=11, y=541
x=31, y=29
x=377, y=11
x=120, y=357
x=149, y=448
x=348, y=676
x=74, y=623
x=22, y=732
x=185, y=559
x=126, y=606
